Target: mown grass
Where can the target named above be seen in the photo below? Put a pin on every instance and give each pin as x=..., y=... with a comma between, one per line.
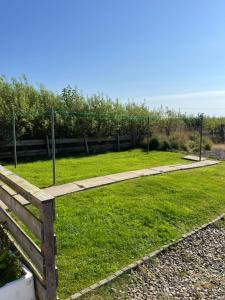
x=74, y=168
x=102, y=230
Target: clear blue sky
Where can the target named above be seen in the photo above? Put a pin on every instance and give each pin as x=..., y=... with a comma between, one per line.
x=168, y=52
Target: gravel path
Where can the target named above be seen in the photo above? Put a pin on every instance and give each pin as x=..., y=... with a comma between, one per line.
x=193, y=269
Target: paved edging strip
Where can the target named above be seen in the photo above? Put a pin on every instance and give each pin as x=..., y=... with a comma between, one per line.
x=141, y=261
x=81, y=185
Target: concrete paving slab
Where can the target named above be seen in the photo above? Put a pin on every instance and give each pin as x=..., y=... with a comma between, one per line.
x=199, y=164
x=146, y=172
x=94, y=182
x=166, y=169
x=123, y=176
x=81, y=185
x=212, y=162
x=63, y=189
x=193, y=157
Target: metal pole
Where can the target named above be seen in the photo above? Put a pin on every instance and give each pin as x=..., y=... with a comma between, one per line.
x=200, y=138
x=14, y=139
x=148, y=134
x=118, y=142
x=53, y=147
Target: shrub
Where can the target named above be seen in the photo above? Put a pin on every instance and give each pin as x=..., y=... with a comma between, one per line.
x=154, y=143
x=207, y=144
x=165, y=145
x=10, y=268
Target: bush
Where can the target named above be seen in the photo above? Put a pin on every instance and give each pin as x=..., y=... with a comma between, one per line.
x=193, y=146
x=207, y=144
x=164, y=146
x=154, y=143
x=10, y=268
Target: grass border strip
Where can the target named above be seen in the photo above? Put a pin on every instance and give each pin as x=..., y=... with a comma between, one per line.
x=141, y=261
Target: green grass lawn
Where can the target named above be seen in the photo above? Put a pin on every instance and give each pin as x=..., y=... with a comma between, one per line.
x=102, y=230
x=81, y=167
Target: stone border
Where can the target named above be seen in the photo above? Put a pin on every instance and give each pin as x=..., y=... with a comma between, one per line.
x=138, y=263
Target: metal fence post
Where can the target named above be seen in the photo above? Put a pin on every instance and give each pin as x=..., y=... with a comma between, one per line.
x=148, y=134
x=14, y=139
x=53, y=146
x=118, y=142
x=200, y=137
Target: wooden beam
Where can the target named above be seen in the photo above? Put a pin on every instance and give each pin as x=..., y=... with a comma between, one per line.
x=24, y=241
x=8, y=196
x=49, y=248
x=23, y=187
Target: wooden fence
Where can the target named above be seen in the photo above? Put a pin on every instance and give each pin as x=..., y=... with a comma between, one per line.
x=29, y=148
x=39, y=256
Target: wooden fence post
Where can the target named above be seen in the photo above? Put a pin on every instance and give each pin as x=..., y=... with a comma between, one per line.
x=47, y=145
x=39, y=257
x=86, y=145
x=49, y=248
x=53, y=146
x=14, y=139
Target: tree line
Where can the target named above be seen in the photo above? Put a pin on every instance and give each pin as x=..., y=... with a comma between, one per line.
x=77, y=115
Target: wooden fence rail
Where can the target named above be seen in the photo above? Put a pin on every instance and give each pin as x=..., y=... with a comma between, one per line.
x=39, y=256
x=42, y=147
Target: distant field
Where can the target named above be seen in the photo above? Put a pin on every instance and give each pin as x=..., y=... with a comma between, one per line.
x=81, y=167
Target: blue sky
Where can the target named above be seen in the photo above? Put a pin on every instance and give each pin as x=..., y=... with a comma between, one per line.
x=167, y=52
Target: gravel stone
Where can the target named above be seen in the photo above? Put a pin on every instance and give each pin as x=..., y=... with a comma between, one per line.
x=192, y=269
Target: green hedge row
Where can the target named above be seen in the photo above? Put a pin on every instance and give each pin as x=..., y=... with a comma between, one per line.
x=31, y=103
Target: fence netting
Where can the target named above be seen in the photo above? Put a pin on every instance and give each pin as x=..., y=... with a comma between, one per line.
x=91, y=133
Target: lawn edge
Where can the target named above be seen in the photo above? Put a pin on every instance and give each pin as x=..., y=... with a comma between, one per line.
x=141, y=261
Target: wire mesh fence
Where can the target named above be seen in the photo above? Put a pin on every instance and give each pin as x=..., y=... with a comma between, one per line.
x=58, y=132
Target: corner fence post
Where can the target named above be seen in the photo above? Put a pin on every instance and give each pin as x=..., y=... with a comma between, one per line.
x=49, y=248
x=14, y=139
x=53, y=146
x=200, y=137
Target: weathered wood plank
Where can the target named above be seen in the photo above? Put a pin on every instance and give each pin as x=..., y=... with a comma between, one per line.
x=48, y=147
x=30, y=142
x=2, y=205
x=22, y=143
x=24, y=241
x=101, y=147
x=67, y=145
x=86, y=145
x=9, y=199
x=7, y=154
x=125, y=145
x=41, y=292
x=40, y=289
x=69, y=141
x=70, y=149
x=24, y=153
x=125, y=138
x=23, y=187
x=48, y=248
